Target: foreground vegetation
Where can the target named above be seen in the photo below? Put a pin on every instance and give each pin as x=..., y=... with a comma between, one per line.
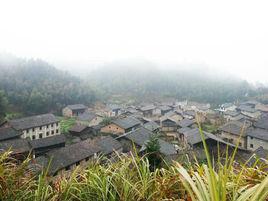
x=130, y=178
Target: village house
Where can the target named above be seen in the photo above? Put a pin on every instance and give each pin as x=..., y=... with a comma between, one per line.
x=234, y=132
x=165, y=109
x=226, y=107
x=187, y=123
x=20, y=148
x=89, y=119
x=113, y=110
x=78, y=130
x=152, y=126
x=189, y=114
x=65, y=159
x=74, y=110
x=9, y=134
x=139, y=138
x=120, y=126
x=149, y=110
x=43, y=145
x=168, y=124
x=36, y=127
x=231, y=115
x=257, y=137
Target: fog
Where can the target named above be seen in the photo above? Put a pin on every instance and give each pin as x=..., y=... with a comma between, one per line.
x=227, y=36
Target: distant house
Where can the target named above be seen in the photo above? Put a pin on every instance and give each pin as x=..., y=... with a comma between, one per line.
x=189, y=114
x=249, y=111
x=152, y=126
x=257, y=137
x=231, y=115
x=89, y=119
x=120, y=126
x=79, y=129
x=187, y=123
x=67, y=158
x=262, y=123
x=234, y=132
x=168, y=124
x=74, y=110
x=165, y=109
x=148, y=111
x=9, y=133
x=227, y=107
x=139, y=138
x=113, y=110
x=36, y=127
x=41, y=146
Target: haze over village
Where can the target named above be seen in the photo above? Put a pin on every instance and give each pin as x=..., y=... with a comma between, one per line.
x=145, y=100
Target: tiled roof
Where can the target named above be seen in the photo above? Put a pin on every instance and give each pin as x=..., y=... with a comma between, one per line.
x=77, y=107
x=261, y=134
x=48, y=141
x=77, y=128
x=86, y=116
x=33, y=121
x=262, y=123
x=186, y=122
x=151, y=126
x=127, y=122
x=234, y=127
x=8, y=133
x=16, y=145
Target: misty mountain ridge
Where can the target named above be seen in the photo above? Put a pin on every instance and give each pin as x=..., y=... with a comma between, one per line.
x=35, y=86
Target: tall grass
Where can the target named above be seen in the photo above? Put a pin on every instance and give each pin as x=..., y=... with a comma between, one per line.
x=130, y=178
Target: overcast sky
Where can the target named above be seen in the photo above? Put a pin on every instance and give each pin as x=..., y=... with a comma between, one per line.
x=231, y=35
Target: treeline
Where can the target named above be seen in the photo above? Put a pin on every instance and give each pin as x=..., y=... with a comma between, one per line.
x=34, y=86
x=144, y=83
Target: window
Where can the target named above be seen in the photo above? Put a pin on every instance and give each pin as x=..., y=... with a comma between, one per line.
x=240, y=144
x=33, y=129
x=52, y=132
x=57, y=131
x=251, y=138
x=40, y=128
x=27, y=131
x=33, y=137
x=47, y=126
x=47, y=133
x=251, y=145
x=57, y=124
x=40, y=135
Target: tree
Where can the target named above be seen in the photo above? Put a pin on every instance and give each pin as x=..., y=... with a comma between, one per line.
x=3, y=104
x=153, y=152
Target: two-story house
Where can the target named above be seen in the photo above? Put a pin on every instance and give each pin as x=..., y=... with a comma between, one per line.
x=234, y=132
x=36, y=127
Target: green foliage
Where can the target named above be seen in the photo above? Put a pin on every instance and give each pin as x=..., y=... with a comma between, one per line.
x=106, y=121
x=66, y=124
x=153, y=152
x=34, y=86
x=150, y=83
x=129, y=178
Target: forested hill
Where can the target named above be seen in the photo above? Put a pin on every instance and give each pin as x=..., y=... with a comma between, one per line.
x=34, y=86
x=145, y=81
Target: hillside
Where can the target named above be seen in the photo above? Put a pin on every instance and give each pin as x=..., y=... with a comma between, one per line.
x=144, y=81
x=34, y=86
